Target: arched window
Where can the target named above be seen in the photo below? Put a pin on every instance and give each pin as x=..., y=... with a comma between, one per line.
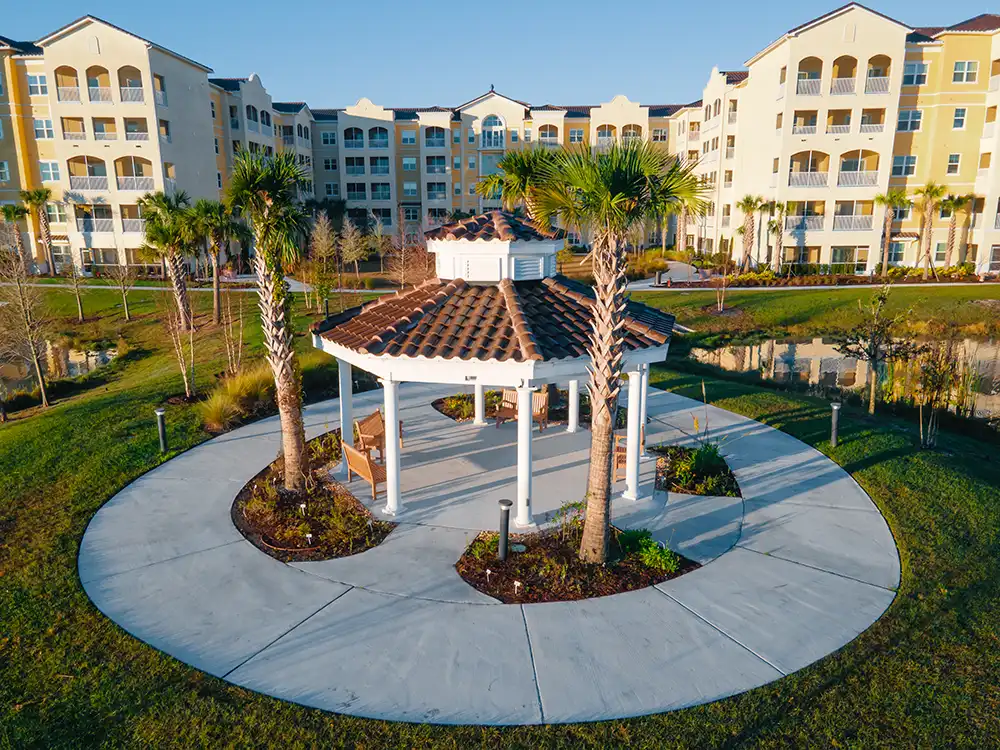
x=378, y=137
x=68, y=84
x=548, y=135
x=632, y=132
x=716, y=108
x=251, y=113
x=434, y=137
x=298, y=130
x=354, y=138
x=306, y=131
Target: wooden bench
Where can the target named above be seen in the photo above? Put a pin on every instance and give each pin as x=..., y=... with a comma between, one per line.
x=620, y=458
x=362, y=464
x=539, y=408
x=371, y=433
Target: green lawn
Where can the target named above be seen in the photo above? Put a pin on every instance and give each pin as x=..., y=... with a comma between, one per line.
x=932, y=310
x=927, y=674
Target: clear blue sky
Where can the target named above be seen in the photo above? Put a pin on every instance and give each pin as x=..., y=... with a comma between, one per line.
x=325, y=52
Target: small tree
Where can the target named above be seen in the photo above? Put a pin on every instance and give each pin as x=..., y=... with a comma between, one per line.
x=954, y=204
x=23, y=322
x=123, y=276
x=874, y=340
x=323, y=257
x=232, y=331
x=354, y=246
x=892, y=200
x=75, y=276
x=929, y=196
x=178, y=329
x=749, y=205
x=381, y=243
x=37, y=200
x=13, y=214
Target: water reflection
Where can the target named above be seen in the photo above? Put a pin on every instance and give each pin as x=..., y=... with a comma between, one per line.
x=60, y=361
x=816, y=362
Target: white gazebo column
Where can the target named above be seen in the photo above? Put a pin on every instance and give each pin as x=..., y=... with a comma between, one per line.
x=573, y=423
x=632, y=436
x=642, y=412
x=523, y=517
x=346, y=406
x=480, y=405
x=392, y=501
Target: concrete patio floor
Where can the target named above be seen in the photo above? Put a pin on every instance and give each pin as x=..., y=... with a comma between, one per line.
x=794, y=570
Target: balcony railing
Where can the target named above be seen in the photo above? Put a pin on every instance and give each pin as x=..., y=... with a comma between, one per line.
x=988, y=129
x=863, y=178
x=996, y=222
x=136, y=135
x=872, y=127
x=379, y=143
x=266, y=130
x=803, y=129
x=732, y=118
x=838, y=129
x=781, y=91
x=709, y=125
x=804, y=223
x=85, y=224
x=726, y=220
x=288, y=140
x=169, y=184
x=995, y=83
x=435, y=169
x=807, y=87
x=710, y=158
x=840, y=86
x=131, y=94
x=354, y=171
x=106, y=135
x=304, y=142
x=88, y=182
x=68, y=93
x=730, y=152
x=549, y=140
x=877, y=85
x=160, y=97
x=380, y=169
x=381, y=195
x=234, y=123
x=165, y=138
x=357, y=195
x=852, y=223
x=439, y=143
x=354, y=143
x=436, y=196
x=727, y=184
x=807, y=179
x=496, y=139
x=253, y=127
x=605, y=141
x=74, y=135
x=135, y=183
x=694, y=135
x=983, y=172
x=133, y=225
x=99, y=93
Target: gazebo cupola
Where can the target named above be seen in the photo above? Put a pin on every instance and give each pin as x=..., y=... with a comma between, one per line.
x=494, y=246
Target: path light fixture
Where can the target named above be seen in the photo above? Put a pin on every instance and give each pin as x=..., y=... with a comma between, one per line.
x=161, y=428
x=302, y=508
x=505, y=506
x=834, y=423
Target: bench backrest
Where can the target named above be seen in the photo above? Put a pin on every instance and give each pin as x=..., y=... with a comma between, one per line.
x=540, y=403
x=509, y=399
x=373, y=424
x=359, y=462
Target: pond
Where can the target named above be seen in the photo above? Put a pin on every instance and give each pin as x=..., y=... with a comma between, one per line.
x=59, y=361
x=816, y=362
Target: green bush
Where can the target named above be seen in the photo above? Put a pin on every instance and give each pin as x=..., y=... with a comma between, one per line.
x=369, y=283
x=651, y=553
x=707, y=459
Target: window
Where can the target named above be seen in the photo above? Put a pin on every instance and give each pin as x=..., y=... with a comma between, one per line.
x=904, y=166
x=576, y=135
x=49, y=171
x=411, y=214
x=434, y=137
x=330, y=165
x=4, y=172
x=218, y=179
x=354, y=165
x=944, y=212
x=472, y=135
x=436, y=191
x=660, y=135
x=409, y=164
x=958, y=121
x=903, y=214
x=37, y=86
x=965, y=72
x=954, y=162
x=472, y=162
x=914, y=74
x=456, y=163
x=409, y=138
x=380, y=191
x=774, y=165
x=356, y=191
x=43, y=129
x=456, y=136
x=458, y=188
x=1, y=83
x=527, y=136
x=328, y=138
x=332, y=189
x=410, y=189
x=435, y=165
x=384, y=216
x=213, y=109
x=472, y=189
x=939, y=252
x=56, y=213
x=216, y=145
x=379, y=165
x=909, y=120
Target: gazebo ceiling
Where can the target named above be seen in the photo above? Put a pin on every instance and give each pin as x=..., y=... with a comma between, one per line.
x=541, y=320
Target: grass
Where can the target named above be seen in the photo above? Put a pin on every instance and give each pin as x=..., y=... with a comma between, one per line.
x=926, y=674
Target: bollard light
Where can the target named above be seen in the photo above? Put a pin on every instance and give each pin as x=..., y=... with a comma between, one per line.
x=834, y=423
x=161, y=428
x=505, y=506
x=326, y=308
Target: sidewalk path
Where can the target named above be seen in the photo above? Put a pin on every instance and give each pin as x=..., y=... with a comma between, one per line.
x=794, y=570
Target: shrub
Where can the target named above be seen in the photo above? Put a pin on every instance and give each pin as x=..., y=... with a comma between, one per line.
x=369, y=283
x=651, y=553
x=219, y=411
x=707, y=459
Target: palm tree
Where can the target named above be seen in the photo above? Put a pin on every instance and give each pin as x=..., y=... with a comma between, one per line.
x=216, y=221
x=12, y=214
x=265, y=191
x=892, y=200
x=517, y=179
x=749, y=205
x=953, y=204
x=169, y=235
x=37, y=199
x=930, y=196
x=776, y=229
x=607, y=193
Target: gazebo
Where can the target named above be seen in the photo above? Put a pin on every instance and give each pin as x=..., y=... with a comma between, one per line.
x=497, y=314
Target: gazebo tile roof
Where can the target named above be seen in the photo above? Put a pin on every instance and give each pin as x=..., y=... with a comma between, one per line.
x=546, y=319
x=493, y=225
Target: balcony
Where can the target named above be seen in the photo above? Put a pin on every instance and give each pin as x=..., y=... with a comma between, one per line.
x=88, y=225
x=878, y=85
x=804, y=223
x=350, y=143
x=996, y=222
x=803, y=129
x=730, y=152
x=304, y=142
x=807, y=87
x=165, y=138
x=381, y=170
x=694, y=135
x=131, y=94
x=130, y=182
x=434, y=169
x=288, y=140
x=88, y=182
x=852, y=223
x=253, y=126
x=134, y=226
x=982, y=173
x=988, y=129
x=357, y=195
x=872, y=127
x=136, y=135
x=354, y=171
x=709, y=125
x=858, y=178
x=838, y=129
x=267, y=130
x=781, y=90
x=68, y=94
x=995, y=83
x=842, y=86
x=169, y=185
x=710, y=158
x=726, y=220
x=160, y=97
x=807, y=179
x=234, y=123
x=549, y=141
x=105, y=135
x=605, y=141
x=727, y=184
x=381, y=143
x=74, y=135
x=732, y=118
x=489, y=140
x=436, y=196
x=100, y=94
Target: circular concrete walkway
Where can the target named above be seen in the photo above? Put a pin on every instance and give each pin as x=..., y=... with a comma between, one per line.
x=793, y=571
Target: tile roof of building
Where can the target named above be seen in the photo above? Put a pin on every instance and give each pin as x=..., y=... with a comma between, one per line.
x=321, y=115
x=982, y=22
x=546, y=319
x=841, y=9
x=494, y=225
x=922, y=35
x=288, y=108
x=735, y=76
x=229, y=84
x=21, y=48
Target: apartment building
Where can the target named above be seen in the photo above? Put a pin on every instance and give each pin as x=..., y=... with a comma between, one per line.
x=842, y=108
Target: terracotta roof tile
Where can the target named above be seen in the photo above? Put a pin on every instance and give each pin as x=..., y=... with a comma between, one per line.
x=982, y=22
x=493, y=225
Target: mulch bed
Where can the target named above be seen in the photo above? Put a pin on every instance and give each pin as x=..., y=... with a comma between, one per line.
x=550, y=570
x=671, y=474
x=337, y=523
x=461, y=408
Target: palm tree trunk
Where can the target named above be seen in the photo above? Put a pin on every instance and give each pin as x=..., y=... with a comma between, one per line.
x=19, y=244
x=890, y=215
x=926, y=239
x=175, y=270
x=952, y=233
x=605, y=373
x=272, y=291
x=45, y=231
x=216, y=286
x=680, y=242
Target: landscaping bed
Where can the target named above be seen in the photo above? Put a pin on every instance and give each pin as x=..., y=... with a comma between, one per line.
x=323, y=522
x=461, y=407
x=694, y=471
x=549, y=568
